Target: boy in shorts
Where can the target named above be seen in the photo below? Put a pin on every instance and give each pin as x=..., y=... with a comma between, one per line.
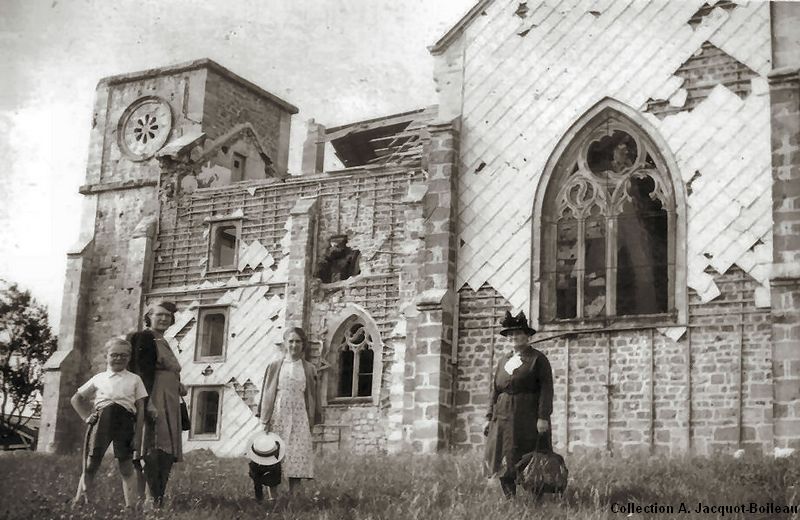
x=112, y=404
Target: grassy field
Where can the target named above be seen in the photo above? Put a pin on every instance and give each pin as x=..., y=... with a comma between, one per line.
x=408, y=487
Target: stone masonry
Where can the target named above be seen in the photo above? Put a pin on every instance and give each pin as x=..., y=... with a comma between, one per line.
x=109, y=271
x=784, y=84
x=432, y=355
x=447, y=229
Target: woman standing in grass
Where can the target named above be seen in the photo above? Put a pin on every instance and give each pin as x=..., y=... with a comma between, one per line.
x=520, y=404
x=154, y=361
x=289, y=405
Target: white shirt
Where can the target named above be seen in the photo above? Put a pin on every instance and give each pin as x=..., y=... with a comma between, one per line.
x=123, y=388
x=513, y=363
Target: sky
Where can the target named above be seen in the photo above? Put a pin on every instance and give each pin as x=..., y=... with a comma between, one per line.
x=336, y=60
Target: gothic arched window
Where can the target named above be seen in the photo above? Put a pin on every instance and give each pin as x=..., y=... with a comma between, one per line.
x=608, y=227
x=355, y=360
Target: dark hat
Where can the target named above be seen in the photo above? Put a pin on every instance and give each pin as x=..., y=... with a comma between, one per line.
x=339, y=236
x=518, y=322
x=166, y=305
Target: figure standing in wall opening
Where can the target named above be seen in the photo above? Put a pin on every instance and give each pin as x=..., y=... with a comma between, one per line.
x=154, y=361
x=340, y=261
x=290, y=406
x=520, y=405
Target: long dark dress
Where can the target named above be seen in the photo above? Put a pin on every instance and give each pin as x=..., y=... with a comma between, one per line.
x=517, y=401
x=154, y=361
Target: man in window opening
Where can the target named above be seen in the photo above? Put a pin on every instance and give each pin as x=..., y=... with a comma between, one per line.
x=340, y=261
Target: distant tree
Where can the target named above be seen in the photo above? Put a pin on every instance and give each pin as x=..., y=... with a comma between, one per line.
x=26, y=342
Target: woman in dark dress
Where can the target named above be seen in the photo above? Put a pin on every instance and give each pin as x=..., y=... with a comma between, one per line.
x=154, y=361
x=520, y=404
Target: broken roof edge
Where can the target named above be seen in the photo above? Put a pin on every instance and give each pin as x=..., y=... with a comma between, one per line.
x=337, y=131
x=204, y=63
x=230, y=136
x=304, y=178
x=455, y=31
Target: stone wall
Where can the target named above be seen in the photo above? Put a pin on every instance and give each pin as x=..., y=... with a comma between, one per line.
x=228, y=104
x=288, y=224
x=382, y=216
x=784, y=86
x=479, y=346
x=113, y=308
x=525, y=81
x=111, y=269
x=638, y=389
x=361, y=427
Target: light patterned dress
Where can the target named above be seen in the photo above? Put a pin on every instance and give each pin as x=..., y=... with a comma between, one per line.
x=290, y=421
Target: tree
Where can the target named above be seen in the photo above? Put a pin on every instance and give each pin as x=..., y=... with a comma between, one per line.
x=26, y=342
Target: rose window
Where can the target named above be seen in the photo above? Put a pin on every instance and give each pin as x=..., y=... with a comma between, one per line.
x=145, y=127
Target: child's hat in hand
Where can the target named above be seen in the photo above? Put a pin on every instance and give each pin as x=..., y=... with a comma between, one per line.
x=267, y=449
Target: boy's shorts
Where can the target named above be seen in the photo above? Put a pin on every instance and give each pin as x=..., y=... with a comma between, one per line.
x=115, y=425
x=265, y=475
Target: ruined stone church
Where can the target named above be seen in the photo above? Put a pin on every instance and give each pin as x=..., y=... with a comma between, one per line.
x=626, y=173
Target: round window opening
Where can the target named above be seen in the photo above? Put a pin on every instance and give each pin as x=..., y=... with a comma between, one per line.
x=144, y=128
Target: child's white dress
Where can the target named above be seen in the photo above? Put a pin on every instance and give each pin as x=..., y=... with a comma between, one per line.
x=290, y=420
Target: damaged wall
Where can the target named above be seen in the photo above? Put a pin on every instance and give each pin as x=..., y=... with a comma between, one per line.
x=136, y=117
x=379, y=209
x=698, y=76
x=528, y=77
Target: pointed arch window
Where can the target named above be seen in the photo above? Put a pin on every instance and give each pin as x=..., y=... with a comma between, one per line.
x=608, y=227
x=355, y=361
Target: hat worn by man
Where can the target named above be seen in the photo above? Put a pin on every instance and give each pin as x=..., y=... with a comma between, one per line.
x=266, y=449
x=518, y=322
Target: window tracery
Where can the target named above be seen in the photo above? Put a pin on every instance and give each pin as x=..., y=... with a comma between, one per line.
x=610, y=227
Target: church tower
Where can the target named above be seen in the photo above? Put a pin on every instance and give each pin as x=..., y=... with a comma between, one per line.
x=138, y=120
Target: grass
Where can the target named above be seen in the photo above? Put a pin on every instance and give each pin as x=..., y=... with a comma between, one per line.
x=407, y=487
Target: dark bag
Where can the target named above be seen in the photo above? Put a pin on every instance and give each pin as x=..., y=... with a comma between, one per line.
x=542, y=472
x=186, y=424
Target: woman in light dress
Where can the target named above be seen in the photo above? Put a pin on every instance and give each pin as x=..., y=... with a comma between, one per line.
x=289, y=405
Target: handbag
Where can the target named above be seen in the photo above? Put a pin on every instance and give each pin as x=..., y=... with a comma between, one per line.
x=542, y=471
x=186, y=424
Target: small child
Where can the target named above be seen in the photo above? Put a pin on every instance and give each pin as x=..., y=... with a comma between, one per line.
x=265, y=454
x=112, y=404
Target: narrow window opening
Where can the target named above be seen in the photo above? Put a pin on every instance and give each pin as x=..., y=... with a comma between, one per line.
x=346, y=365
x=206, y=417
x=238, y=167
x=642, y=252
x=212, y=334
x=566, y=268
x=365, y=360
x=224, y=245
x=594, y=279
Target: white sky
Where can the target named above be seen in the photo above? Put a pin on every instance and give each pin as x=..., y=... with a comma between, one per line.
x=337, y=60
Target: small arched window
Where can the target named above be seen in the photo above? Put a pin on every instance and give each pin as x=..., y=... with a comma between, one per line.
x=355, y=360
x=608, y=227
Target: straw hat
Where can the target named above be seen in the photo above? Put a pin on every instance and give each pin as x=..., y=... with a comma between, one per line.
x=266, y=449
